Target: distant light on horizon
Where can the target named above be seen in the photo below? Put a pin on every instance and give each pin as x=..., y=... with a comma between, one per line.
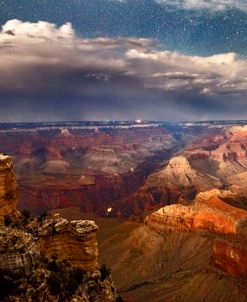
x=138, y=121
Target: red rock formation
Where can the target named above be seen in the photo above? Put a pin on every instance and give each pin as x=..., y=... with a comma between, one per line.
x=88, y=169
x=230, y=257
x=8, y=188
x=73, y=241
x=209, y=213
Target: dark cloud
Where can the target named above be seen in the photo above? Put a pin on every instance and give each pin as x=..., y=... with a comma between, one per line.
x=48, y=73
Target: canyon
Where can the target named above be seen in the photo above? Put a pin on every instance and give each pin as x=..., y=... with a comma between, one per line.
x=212, y=159
x=91, y=169
x=169, y=199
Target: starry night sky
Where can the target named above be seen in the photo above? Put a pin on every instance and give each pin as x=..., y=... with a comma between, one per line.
x=191, y=31
x=187, y=29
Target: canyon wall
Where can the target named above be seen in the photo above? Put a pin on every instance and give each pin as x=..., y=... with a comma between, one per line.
x=230, y=256
x=209, y=213
x=73, y=241
x=8, y=188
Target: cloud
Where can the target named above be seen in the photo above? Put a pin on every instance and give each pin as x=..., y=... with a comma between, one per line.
x=48, y=72
x=206, y=4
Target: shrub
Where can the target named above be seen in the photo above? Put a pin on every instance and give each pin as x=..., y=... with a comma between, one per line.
x=79, y=274
x=26, y=214
x=7, y=285
x=105, y=272
x=42, y=216
x=52, y=264
x=71, y=286
x=54, y=283
x=7, y=220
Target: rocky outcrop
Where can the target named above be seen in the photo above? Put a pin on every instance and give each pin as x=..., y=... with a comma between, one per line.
x=73, y=241
x=53, y=260
x=18, y=251
x=179, y=172
x=47, y=259
x=8, y=188
x=208, y=212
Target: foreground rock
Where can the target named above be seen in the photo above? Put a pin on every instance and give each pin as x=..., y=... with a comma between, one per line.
x=55, y=260
x=8, y=188
x=73, y=241
x=50, y=258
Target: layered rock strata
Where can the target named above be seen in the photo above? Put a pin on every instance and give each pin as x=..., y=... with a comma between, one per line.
x=74, y=241
x=18, y=251
x=209, y=213
x=56, y=254
x=8, y=188
x=231, y=257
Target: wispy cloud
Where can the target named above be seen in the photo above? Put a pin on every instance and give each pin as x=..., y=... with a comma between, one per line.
x=206, y=4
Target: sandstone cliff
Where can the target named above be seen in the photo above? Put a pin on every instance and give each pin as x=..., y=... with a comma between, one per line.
x=210, y=213
x=74, y=241
x=8, y=188
x=207, y=212
x=53, y=260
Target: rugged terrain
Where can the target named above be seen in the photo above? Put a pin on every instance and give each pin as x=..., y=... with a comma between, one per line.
x=212, y=159
x=8, y=188
x=186, y=182
x=49, y=258
x=89, y=168
x=188, y=253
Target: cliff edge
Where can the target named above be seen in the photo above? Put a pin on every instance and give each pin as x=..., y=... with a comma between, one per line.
x=8, y=188
x=47, y=258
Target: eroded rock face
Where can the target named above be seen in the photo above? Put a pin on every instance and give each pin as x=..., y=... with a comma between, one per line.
x=209, y=213
x=41, y=256
x=210, y=160
x=8, y=188
x=230, y=257
x=18, y=251
x=74, y=241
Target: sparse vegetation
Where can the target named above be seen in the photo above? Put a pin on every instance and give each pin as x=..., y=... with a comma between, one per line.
x=105, y=272
x=54, y=283
x=7, y=220
x=26, y=214
x=42, y=216
x=63, y=280
x=7, y=285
